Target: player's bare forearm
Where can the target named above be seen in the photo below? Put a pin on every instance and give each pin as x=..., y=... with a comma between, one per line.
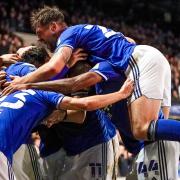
x=50, y=69
x=92, y=102
x=76, y=116
x=68, y=85
x=98, y=101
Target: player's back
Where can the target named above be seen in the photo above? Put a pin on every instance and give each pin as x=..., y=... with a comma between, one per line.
x=100, y=42
x=20, y=112
x=19, y=69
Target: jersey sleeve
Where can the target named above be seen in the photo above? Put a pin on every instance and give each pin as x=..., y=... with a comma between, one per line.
x=105, y=70
x=52, y=98
x=62, y=74
x=26, y=69
x=67, y=39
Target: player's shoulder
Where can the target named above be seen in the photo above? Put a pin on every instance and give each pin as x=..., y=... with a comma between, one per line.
x=20, y=69
x=20, y=65
x=75, y=28
x=47, y=94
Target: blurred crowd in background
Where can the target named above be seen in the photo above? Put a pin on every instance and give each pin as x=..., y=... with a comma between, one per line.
x=15, y=17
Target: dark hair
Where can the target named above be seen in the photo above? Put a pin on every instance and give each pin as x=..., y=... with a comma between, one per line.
x=44, y=16
x=35, y=55
x=79, y=68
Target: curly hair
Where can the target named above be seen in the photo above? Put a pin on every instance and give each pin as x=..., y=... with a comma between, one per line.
x=44, y=16
x=35, y=55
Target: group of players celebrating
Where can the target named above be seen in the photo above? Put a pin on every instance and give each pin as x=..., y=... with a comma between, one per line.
x=79, y=141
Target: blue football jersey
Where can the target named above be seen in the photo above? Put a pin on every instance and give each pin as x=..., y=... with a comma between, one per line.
x=23, y=68
x=19, y=69
x=96, y=129
x=118, y=112
x=101, y=43
x=20, y=112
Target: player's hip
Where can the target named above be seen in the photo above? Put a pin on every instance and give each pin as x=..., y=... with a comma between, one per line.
x=158, y=160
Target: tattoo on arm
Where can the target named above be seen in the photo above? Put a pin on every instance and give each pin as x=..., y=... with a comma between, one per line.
x=65, y=53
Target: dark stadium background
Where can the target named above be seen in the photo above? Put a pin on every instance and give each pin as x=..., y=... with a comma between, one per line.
x=153, y=22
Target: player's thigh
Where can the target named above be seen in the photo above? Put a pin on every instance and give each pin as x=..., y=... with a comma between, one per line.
x=6, y=172
x=148, y=68
x=99, y=162
x=167, y=88
x=171, y=150
x=52, y=165
x=25, y=163
x=142, y=111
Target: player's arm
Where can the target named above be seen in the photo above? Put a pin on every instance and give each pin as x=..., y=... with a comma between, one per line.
x=50, y=69
x=166, y=111
x=8, y=59
x=98, y=101
x=101, y=71
x=68, y=85
x=64, y=86
x=75, y=116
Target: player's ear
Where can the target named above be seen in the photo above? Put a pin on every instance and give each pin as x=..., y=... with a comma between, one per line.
x=53, y=27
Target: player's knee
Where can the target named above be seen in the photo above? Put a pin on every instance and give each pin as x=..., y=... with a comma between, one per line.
x=140, y=131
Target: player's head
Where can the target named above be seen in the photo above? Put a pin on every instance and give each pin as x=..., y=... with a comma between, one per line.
x=22, y=50
x=34, y=55
x=48, y=24
x=79, y=68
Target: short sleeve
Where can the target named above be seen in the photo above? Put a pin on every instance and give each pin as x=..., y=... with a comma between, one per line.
x=19, y=69
x=26, y=69
x=52, y=98
x=62, y=74
x=67, y=39
x=105, y=70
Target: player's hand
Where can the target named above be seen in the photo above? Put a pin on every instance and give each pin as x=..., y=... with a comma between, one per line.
x=77, y=55
x=2, y=78
x=54, y=118
x=127, y=88
x=1, y=62
x=12, y=86
x=8, y=59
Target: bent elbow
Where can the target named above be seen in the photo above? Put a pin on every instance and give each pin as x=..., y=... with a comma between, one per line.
x=53, y=69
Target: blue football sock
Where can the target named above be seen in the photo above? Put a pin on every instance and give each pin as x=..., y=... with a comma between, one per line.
x=167, y=129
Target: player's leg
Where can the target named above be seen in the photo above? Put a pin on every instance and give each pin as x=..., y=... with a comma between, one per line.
x=168, y=129
x=172, y=153
x=148, y=69
x=158, y=160
x=52, y=165
x=98, y=162
x=143, y=110
x=6, y=172
x=166, y=103
x=25, y=163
